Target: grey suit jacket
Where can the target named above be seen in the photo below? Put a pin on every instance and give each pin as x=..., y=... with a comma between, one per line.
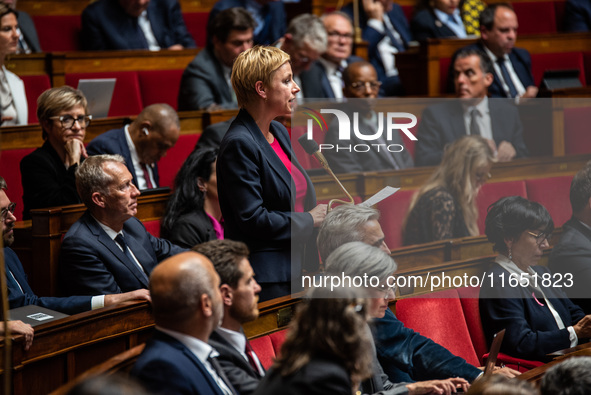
x=27, y=26
x=238, y=371
x=203, y=84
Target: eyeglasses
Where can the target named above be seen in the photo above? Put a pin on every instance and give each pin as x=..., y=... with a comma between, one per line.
x=385, y=292
x=4, y=212
x=67, y=121
x=360, y=85
x=540, y=237
x=346, y=36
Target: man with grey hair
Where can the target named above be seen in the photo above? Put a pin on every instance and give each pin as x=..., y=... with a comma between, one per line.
x=571, y=256
x=570, y=377
x=187, y=307
x=360, y=261
x=142, y=143
x=304, y=41
x=108, y=250
x=404, y=354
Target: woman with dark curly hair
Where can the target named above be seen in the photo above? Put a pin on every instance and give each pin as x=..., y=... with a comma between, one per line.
x=193, y=214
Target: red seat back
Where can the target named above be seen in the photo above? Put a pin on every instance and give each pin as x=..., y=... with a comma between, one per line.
x=552, y=193
x=393, y=210
x=127, y=99
x=196, y=23
x=469, y=301
x=535, y=17
x=175, y=157
x=444, y=309
x=58, y=32
x=557, y=61
x=10, y=169
x=576, y=131
x=491, y=192
x=153, y=227
x=35, y=85
x=267, y=347
x=160, y=86
x=444, y=64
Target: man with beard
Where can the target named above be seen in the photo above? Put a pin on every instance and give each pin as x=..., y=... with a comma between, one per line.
x=240, y=298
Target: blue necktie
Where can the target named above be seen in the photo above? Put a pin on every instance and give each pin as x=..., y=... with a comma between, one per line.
x=121, y=241
x=507, y=77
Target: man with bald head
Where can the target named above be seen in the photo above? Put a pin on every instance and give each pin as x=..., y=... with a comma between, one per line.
x=142, y=143
x=108, y=250
x=187, y=307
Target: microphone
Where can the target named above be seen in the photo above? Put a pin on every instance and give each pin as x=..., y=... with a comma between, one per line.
x=311, y=148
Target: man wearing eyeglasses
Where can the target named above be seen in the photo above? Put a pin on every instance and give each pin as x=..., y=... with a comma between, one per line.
x=20, y=293
x=328, y=69
x=361, y=82
x=142, y=143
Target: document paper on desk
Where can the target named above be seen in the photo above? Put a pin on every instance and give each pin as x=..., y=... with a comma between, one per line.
x=378, y=197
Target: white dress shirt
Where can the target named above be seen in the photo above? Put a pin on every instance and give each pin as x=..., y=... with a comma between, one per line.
x=514, y=78
x=146, y=27
x=483, y=119
x=137, y=166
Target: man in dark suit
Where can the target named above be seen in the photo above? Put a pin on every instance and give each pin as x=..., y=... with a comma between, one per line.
x=511, y=66
x=571, y=256
x=20, y=293
x=108, y=250
x=213, y=134
x=328, y=69
x=28, y=40
x=577, y=16
x=361, y=82
x=494, y=119
x=132, y=24
x=240, y=298
x=187, y=307
x=142, y=143
x=385, y=28
x=205, y=84
x=404, y=354
x=269, y=16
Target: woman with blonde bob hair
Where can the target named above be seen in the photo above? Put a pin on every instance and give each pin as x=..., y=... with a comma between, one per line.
x=327, y=347
x=266, y=197
x=445, y=206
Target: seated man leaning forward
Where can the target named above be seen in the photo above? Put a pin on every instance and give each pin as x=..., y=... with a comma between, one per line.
x=108, y=250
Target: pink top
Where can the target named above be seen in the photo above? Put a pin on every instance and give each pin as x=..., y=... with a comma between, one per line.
x=217, y=227
x=296, y=174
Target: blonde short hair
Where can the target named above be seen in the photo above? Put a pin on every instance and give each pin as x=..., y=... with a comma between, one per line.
x=255, y=64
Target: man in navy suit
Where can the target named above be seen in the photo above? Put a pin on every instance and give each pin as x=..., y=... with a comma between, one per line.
x=328, y=69
x=187, y=307
x=269, y=16
x=108, y=250
x=20, y=293
x=497, y=120
x=142, y=143
x=511, y=66
x=571, y=256
x=240, y=298
x=134, y=24
x=405, y=355
x=385, y=28
x=577, y=16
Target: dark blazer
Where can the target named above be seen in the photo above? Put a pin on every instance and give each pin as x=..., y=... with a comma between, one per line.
x=166, y=366
x=27, y=26
x=352, y=162
x=274, y=16
x=46, y=182
x=572, y=256
x=310, y=78
x=26, y=296
x=520, y=60
x=114, y=142
x=577, y=16
x=91, y=263
x=257, y=194
x=531, y=328
x=443, y=123
x=213, y=134
x=238, y=371
x=190, y=229
x=406, y=355
x=425, y=24
x=320, y=376
x=203, y=84
x=106, y=26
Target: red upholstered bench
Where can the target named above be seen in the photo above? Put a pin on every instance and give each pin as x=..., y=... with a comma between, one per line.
x=491, y=192
x=175, y=157
x=160, y=86
x=35, y=85
x=10, y=169
x=392, y=213
x=153, y=227
x=267, y=347
x=196, y=23
x=556, y=61
x=552, y=193
x=58, y=32
x=127, y=100
x=536, y=17
x=576, y=127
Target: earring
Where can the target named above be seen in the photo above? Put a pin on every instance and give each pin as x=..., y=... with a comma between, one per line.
x=510, y=255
